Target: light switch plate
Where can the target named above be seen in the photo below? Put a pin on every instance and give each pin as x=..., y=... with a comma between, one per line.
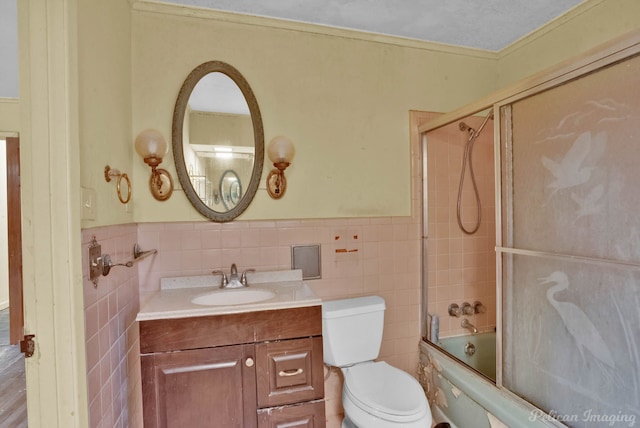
x=88, y=197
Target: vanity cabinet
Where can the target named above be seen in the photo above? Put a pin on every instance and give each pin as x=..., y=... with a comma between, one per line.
x=254, y=369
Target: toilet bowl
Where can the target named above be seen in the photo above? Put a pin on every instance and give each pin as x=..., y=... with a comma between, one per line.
x=374, y=394
x=379, y=395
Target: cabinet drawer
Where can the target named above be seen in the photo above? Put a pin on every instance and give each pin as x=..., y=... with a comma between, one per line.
x=289, y=371
x=307, y=415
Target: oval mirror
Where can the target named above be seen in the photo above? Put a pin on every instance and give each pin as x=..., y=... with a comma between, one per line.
x=218, y=141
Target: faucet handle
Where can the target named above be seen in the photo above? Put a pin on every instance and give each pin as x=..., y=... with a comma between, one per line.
x=479, y=308
x=243, y=278
x=454, y=310
x=467, y=309
x=223, y=283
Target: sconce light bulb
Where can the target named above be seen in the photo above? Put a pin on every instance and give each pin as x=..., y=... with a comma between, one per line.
x=150, y=143
x=281, y=150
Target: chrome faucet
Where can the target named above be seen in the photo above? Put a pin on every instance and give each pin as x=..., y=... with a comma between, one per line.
x=233, y=281
x=233, y=273
x=243, y=278
x=223, y=281
x=466, y=324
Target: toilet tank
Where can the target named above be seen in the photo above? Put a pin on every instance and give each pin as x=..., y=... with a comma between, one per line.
x=352, y=330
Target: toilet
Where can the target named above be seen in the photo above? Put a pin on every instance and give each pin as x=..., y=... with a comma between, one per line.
x=374, y=394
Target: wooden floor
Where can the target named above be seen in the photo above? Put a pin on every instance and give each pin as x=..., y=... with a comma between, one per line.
x=13, y=393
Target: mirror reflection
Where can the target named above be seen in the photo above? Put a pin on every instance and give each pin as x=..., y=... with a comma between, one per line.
x=218, y=141
x=230, y=189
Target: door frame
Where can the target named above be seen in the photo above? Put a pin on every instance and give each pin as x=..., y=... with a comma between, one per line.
x=51, y=228
x=14, y=240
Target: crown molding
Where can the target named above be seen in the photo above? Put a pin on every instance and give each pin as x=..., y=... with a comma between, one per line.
x=550, y=26
x=154, y=6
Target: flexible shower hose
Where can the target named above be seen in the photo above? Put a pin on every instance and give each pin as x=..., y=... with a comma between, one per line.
x=467, y=158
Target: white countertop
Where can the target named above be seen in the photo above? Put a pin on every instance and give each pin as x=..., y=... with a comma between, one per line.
x=174, y=299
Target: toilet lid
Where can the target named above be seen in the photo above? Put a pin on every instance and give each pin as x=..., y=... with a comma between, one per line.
x=383, y=389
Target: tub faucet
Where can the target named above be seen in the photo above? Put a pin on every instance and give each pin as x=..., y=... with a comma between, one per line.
x=466, y=324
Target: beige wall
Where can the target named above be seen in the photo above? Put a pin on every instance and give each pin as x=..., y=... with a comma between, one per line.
x=104, y=63
x=9, y=115
x=343, y=101
x=587, y=26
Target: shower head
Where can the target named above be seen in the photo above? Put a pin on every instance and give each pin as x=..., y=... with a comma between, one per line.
x=464, y=127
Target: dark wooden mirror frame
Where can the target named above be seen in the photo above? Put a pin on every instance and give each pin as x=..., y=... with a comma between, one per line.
x=178, y=154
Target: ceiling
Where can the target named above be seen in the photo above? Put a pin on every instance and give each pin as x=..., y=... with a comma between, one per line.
x=483, y=24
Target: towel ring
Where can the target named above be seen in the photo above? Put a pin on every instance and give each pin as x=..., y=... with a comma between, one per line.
x=123, y=200
x=109, y=173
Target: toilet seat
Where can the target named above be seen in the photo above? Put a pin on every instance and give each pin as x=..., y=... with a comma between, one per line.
x=385, y=391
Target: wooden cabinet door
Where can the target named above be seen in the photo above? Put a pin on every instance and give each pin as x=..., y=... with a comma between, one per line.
x=212, y=387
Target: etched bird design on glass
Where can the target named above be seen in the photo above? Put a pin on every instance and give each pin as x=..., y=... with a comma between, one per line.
x=591, y=203
x=577, y=322
x=571, y=170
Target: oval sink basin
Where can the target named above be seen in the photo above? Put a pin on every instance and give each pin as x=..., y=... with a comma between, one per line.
x=241, y=296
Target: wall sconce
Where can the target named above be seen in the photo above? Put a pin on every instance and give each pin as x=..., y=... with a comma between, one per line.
x=152, y=147
x=281, y=152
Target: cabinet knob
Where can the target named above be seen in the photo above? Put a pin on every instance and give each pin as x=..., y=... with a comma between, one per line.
x=249, y=362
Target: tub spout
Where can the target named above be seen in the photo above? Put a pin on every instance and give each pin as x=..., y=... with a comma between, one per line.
x=466, y=324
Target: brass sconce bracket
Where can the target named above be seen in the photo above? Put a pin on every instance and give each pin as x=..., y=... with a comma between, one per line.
x=276, y=181
x=111, y=173
x=161, y=184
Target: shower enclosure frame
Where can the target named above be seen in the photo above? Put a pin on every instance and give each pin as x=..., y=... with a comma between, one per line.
x=618, y=50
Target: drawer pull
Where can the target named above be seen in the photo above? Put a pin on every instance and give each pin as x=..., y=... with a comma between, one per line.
x=287, y=373
x=249, y=362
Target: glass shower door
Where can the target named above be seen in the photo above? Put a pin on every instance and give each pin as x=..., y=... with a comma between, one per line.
x=570, y=255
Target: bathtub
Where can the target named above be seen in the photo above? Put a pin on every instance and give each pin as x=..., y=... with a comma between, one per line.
x=462, y=397
x=484, y=358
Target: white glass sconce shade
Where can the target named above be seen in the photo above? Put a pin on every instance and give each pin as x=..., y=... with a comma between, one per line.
x=150, y=143
x=280, y=151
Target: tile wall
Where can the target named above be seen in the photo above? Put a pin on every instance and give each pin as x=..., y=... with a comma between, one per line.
x=113, y=350
x=461, y=267
x=360, y=256
x=382, y=257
